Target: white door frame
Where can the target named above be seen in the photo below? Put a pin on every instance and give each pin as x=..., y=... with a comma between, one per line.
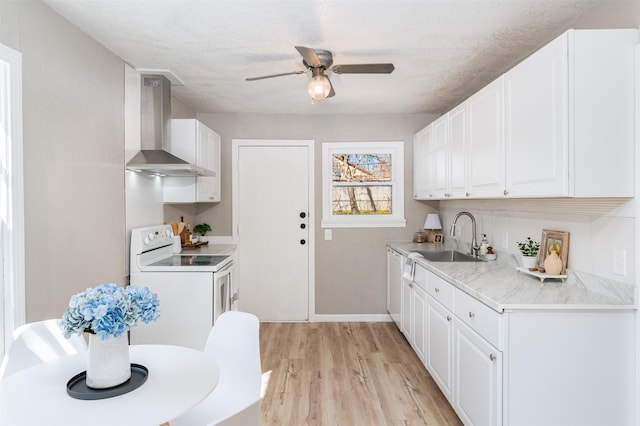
x=236, y=144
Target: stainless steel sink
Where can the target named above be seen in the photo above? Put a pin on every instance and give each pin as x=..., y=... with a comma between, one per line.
x=447, y=256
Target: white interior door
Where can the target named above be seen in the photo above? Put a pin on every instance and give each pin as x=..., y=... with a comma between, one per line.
x=272, y=201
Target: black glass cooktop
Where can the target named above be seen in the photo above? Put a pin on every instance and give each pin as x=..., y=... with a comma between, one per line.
x=191, y=260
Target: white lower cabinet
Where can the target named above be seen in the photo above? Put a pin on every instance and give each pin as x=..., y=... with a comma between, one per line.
x=395, y=263
x=414, y=311
x=525, y=367
x=419, y=307
x=478, y=378
x=440, y=346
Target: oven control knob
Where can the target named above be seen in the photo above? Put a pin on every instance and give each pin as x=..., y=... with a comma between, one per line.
x=167, y=232
x=151, y=236
x=146, y=240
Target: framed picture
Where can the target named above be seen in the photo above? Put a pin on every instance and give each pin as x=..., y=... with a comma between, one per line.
x=557, y=241
x=438, y=238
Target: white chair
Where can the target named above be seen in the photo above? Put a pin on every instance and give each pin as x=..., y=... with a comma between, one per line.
x=235, y=345
x=39, y=342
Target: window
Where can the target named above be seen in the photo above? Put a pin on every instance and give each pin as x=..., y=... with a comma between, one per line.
x=11, y=196
x=363, y=184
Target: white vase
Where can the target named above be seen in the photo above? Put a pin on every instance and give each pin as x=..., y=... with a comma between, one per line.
x=108, y=361
x=528, y=262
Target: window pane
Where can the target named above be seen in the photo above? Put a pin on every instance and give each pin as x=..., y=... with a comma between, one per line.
x=361, y=200
x=361, y=167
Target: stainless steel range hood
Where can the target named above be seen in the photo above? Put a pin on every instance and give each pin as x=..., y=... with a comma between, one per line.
x=155, y=133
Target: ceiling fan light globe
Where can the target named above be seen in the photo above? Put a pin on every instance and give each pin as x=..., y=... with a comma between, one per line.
x=319, y=87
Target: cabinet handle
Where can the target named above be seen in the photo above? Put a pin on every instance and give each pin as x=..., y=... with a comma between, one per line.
x=437, y=290
x=447, y=195
x=505, y=192
x=468, y=194
x=449, y=318
x=410, y=284
x=303, y=242
x=492, y=357
x=472, y=315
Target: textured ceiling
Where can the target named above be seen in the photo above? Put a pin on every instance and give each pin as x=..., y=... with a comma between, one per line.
x=443, y=50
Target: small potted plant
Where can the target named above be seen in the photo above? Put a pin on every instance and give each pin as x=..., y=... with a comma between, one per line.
x=202, y=229
x=529, y=250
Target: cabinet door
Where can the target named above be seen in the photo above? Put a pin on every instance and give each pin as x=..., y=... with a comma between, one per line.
x=478, y=378
x=204, y=146
x=537, y=138
x=439, y=157
x=406, y=314
x=209, y=186
x=440, y=345
x=457, y=152
x=395, y=263
x=486, y=152
x=419, y=318
x=422, y=188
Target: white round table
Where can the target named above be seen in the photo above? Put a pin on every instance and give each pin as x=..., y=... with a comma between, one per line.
x=179, y=378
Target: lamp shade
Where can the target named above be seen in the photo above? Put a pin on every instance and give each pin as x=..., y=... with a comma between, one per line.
x=432, y=222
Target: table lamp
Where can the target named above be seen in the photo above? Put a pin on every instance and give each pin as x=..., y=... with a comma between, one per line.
x=432, y=223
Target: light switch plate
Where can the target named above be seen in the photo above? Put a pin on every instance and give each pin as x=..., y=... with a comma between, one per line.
x=328, y=235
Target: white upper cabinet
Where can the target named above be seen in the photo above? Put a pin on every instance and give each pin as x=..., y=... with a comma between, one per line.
x=486, y=141
x=537, y=129
x=579, y=90
x=458, y=163
x=559, y=124
x=422, y=183
x=194, y=142
x=439, y=156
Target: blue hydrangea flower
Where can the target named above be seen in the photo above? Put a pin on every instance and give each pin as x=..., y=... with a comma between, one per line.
x=109, y=310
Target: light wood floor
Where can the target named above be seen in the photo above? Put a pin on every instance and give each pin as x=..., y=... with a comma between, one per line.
x=348, y=374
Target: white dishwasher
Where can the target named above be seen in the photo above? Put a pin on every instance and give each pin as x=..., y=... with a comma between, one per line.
x=193, y=289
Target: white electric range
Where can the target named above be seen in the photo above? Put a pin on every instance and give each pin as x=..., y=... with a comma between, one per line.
x=194, y=287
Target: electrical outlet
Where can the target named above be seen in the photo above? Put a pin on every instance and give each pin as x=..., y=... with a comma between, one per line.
x=328, y=235
x=505, y=241
x=620, y=262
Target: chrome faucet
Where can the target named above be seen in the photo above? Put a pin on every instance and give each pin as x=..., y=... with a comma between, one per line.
x=474, y=243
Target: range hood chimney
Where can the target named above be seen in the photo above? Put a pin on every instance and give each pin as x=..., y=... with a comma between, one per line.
x=155, y=133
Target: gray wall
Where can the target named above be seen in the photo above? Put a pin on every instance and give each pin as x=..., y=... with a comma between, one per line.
x=73, y=157
x=352, y=265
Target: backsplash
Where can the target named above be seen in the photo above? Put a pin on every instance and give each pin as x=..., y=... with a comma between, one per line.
x=597, y=228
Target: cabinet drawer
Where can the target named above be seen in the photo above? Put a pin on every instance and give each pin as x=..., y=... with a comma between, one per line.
x=481, y=318
x=420, y=277
x=441, y=291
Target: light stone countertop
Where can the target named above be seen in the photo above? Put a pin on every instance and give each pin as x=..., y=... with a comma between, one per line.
x=500, y=286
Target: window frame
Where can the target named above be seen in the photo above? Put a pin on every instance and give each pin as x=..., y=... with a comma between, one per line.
x=396, y=219
x=12, y=282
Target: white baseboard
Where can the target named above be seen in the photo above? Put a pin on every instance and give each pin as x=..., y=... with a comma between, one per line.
x=350, y=318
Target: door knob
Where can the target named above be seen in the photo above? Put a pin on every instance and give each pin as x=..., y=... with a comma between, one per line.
x=303, y=242
x=303, y=215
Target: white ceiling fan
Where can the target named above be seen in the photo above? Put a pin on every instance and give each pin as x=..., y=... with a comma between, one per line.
x=318, y=61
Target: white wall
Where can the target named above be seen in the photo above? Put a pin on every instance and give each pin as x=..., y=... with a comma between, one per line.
x=351, y=268
x=73, y=157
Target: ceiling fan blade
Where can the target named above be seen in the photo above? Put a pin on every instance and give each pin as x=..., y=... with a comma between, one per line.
x=310, y=56
x=363, y=69
x=273, y=75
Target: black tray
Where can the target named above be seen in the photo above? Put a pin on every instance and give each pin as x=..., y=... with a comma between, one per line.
x=77, y=386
